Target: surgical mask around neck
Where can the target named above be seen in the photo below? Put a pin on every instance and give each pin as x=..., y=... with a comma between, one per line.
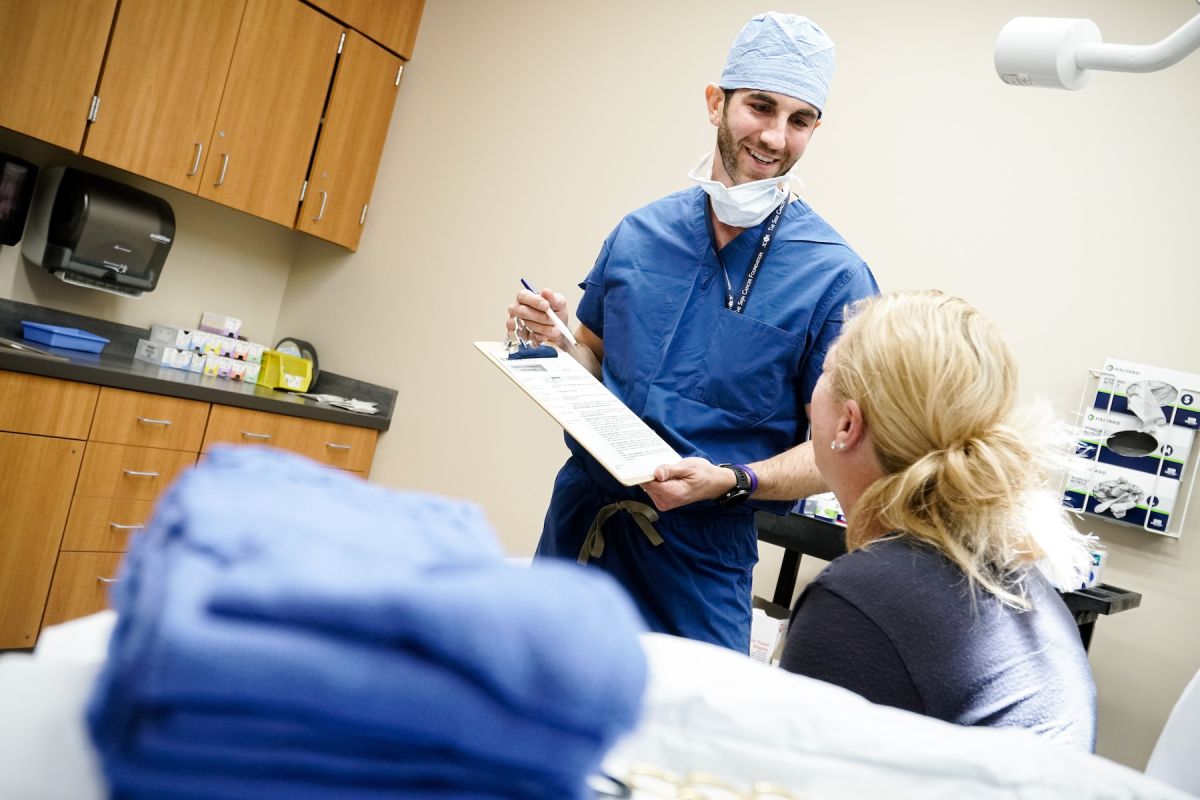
x=744, y=205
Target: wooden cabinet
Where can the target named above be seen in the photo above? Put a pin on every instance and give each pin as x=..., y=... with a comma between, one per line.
x=342, y=446
x=162, y=86
x=81, y=468
x=81, y=582
x=81, y=585
x=40, y=454
x=105, y=524
x=136, y=473
x=46, y=406
x=138, y=445
x=148, y=420
x=392, y=23
x=37, y=474
x=50, y=60
x=271, y=109
x=351, y=142
x=222, y=98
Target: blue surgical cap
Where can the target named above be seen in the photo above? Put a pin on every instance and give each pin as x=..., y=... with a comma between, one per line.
x=782, y=53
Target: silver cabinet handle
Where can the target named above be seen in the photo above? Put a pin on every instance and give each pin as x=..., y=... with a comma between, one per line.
x=120, y=527
x=101, y=579
x=150, y=421
x=335, y=446
x=321, y=213
x=224, y=166
x=133, y=473
x=249, y=435
x=196, y=163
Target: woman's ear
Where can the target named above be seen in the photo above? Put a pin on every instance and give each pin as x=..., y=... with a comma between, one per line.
x=851, y=425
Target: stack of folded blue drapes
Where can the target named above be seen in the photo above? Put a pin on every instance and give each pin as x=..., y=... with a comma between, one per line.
x=285, y=630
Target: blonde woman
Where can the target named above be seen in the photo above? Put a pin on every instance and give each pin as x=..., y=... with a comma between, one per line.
x=942, y=606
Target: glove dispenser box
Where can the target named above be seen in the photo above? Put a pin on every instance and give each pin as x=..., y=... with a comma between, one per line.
x=94, y=232
x=17, y=178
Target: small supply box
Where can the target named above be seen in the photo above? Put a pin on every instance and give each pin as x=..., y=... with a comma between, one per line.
x=66, y=338
x=283, y=371
x=220, y=324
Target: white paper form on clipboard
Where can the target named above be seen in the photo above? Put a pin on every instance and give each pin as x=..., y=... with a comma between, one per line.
x=586, y=409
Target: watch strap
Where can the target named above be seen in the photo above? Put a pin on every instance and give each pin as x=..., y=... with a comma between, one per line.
x=745, y=482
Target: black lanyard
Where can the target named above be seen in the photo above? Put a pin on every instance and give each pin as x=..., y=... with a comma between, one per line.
x=764, y=244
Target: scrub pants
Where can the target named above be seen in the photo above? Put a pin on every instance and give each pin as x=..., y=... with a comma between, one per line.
x=696, y=584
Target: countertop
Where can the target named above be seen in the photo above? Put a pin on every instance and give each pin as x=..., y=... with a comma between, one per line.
x=116, y=367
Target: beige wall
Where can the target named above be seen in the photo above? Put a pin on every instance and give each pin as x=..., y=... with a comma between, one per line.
x=220, y=261
x=524, y=130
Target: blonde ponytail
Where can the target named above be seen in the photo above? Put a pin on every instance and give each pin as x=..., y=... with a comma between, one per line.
x=937, y=386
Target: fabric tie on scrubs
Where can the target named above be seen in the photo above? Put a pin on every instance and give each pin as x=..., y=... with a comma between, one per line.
x=320, y=636
x=643, y=515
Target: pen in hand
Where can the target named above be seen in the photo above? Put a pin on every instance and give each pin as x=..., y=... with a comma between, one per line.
x=558, y=323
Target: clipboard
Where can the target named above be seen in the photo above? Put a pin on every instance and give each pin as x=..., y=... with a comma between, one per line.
x=616, y=437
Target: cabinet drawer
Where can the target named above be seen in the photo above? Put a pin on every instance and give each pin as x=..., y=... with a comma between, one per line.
x=342, y=446
x=148, y=420
x=46, y=406
x=104, y=524
x=136, y=473
x=80, y=585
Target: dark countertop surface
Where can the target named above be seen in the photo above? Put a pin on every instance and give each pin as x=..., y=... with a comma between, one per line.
x=116, y=367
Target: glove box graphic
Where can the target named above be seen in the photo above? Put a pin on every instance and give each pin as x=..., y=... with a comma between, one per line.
x=1135, y=446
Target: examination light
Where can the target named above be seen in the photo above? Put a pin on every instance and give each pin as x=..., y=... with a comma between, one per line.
x=1061, y=53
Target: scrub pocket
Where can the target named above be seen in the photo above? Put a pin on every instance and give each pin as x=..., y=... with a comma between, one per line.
x=748, y=367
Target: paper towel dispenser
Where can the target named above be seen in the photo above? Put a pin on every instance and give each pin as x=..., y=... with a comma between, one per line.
x=94, y=232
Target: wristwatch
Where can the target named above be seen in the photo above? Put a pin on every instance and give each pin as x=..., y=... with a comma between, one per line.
x=745, y=482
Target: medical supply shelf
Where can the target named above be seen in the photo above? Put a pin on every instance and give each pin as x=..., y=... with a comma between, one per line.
x=799, y=536
x=1161, y=479
x=89, y=440
x=116, y=367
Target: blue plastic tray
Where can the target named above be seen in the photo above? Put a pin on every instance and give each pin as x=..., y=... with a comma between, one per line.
x=67, y=338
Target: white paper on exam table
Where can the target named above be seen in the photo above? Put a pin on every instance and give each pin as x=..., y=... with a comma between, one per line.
x=605, y=427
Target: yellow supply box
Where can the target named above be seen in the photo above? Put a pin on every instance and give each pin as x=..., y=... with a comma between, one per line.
x=283, y=371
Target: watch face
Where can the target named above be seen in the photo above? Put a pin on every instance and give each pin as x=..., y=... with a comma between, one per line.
x=740, y=490
x=733, y=497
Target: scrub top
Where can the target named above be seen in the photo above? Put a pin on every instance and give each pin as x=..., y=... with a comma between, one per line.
x=713, y=383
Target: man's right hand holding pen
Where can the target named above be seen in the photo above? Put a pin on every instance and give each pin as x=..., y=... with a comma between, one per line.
x=541, y=318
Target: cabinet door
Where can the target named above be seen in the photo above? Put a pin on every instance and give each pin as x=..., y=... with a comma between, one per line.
x=392, y=23
x=46, y=406
x=50, y=61
x=81, y=583
x=162, y=86
x=37, y=475
x=351, y=142
x=271, y=109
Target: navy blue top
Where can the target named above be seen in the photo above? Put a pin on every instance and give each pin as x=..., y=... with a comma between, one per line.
x=895, y=623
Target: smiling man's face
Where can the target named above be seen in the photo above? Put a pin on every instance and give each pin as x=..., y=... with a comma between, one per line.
x=759, y=134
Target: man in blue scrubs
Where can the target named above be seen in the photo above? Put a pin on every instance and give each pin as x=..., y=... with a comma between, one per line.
x=709, y=313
